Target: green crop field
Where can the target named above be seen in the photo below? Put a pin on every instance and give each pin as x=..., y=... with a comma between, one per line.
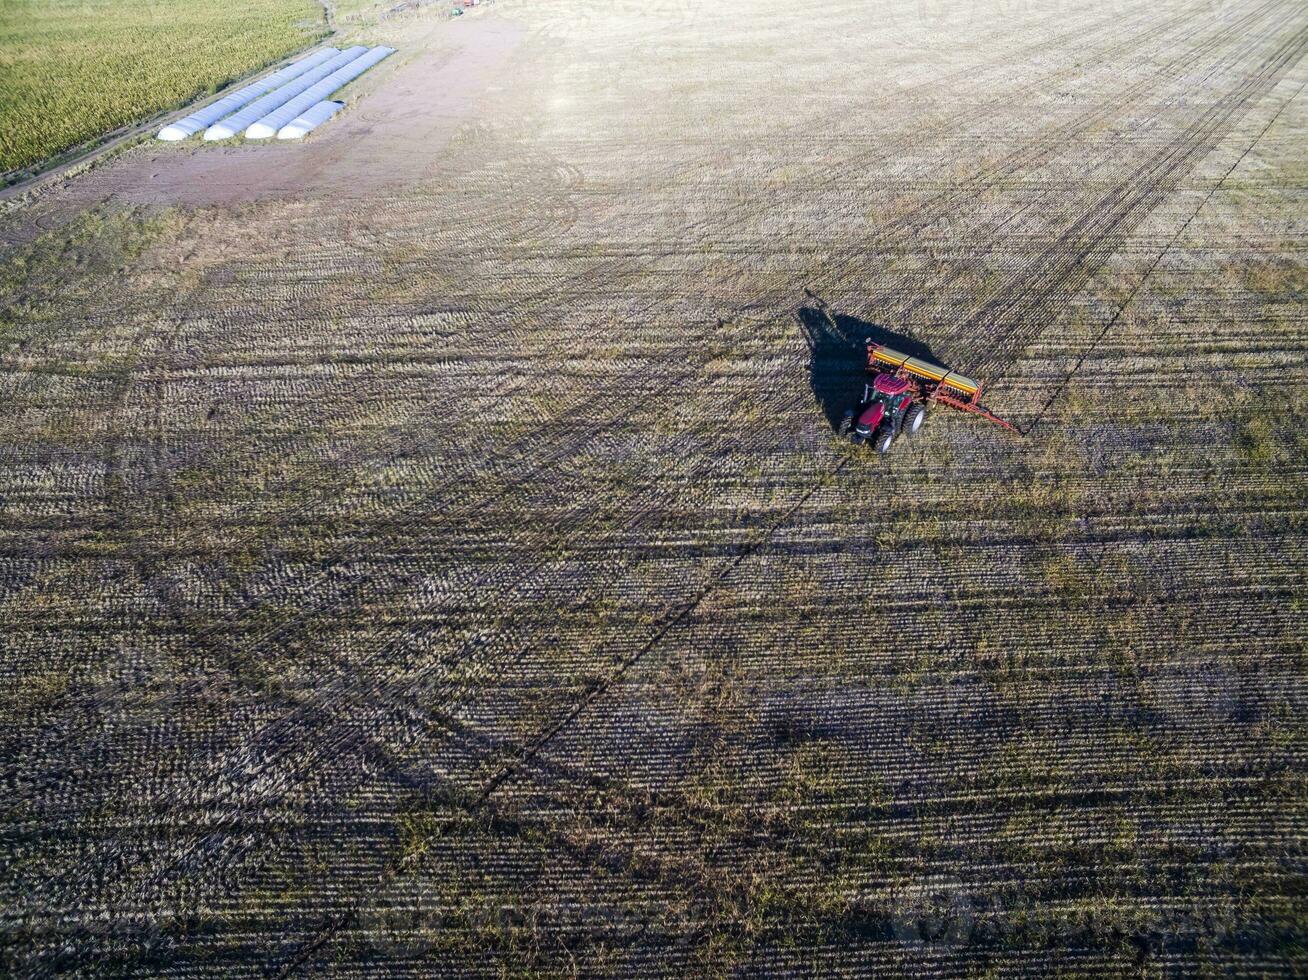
x=73, y=69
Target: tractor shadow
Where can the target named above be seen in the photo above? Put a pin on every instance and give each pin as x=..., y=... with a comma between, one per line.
x=837, y=357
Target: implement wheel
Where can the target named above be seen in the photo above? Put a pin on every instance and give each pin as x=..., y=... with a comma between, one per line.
x=914, y=419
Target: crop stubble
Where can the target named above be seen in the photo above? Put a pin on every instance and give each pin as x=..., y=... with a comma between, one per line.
x=471, y=576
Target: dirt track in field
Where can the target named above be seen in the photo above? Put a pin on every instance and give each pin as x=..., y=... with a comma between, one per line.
x=433, y=552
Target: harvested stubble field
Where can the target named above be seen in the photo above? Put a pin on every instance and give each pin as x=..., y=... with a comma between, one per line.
x=448, y=566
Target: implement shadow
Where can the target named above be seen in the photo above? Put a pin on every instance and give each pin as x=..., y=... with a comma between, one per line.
x=837, y=356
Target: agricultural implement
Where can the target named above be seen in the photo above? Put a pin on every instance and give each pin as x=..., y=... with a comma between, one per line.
x=896, y=400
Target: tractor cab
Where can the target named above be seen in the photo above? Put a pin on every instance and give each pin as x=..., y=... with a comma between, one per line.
x=888, y=384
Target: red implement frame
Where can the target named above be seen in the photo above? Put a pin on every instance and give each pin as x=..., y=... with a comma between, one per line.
x=931, y=383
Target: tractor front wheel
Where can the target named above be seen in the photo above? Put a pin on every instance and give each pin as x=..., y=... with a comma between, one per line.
x=885, y=440
x=913, y=421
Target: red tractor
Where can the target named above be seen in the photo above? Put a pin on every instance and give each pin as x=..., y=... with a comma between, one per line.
x=896, y=399
x=887, y=410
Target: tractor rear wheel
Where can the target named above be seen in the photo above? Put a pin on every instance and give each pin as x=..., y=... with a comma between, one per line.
x=914, y=419
x=885, y=440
